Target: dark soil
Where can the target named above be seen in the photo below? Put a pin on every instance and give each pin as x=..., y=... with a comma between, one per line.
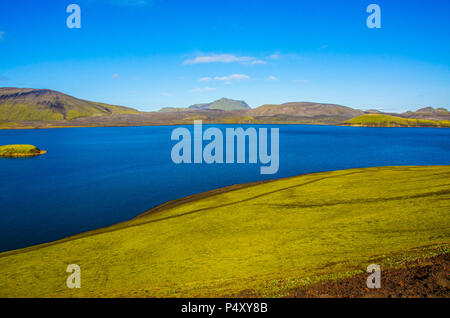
x=423, y=278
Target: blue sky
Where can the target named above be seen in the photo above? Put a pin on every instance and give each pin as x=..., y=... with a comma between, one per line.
x=158, y=53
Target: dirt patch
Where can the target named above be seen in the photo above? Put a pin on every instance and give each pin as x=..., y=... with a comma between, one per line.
x=422, y=278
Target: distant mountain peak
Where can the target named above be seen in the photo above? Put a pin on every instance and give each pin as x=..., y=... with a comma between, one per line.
x=224, y=103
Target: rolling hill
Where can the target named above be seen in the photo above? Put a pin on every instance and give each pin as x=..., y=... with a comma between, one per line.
x=428, y=113
x=261, y=239
x=19, y=104
x=321, y=113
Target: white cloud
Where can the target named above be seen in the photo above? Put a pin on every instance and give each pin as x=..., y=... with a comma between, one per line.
x=166, y=94
x=301, y=81
x=205, y=79
x=275, y=56
x=115, y=75
x=226, y=79
x=258, y=62
x=203, y=89
x=223, y=58
x=232, y=77
x=278, y=56
x=272, y=78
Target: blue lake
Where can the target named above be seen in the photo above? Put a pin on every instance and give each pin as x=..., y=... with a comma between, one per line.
x=94, y=177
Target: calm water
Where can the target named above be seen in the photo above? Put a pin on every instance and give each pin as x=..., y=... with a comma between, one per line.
x=94, y=177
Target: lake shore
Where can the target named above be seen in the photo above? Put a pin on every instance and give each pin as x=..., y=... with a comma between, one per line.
x=166, y=119
x=17, y=127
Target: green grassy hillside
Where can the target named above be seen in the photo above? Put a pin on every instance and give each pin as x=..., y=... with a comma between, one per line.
x=259, y=240
x=379, y=120
x=21, y=104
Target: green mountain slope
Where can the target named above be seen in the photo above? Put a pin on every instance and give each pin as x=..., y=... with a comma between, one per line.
x=380, y=120
x=18, y=104
x=260, y=239
x=223, y=104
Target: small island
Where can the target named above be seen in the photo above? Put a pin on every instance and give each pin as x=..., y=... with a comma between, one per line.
x=20, y=151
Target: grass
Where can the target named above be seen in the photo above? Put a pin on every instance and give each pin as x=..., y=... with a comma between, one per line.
x=19, y=150
x=259, y=240
x=379, y=120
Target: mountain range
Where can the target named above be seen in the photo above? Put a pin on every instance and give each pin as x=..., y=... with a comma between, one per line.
x=45, y=108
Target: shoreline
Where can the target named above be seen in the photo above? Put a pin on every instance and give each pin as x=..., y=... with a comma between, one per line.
x=159, y=208
x=214, y=123
x=178, y=202
x=23, y=155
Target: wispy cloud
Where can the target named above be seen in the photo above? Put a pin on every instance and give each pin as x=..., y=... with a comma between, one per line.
x=258, y=62
x=232, y=77
x=115, y=76
x=272, y=78
x=301, y=81
x=223, y=58
x=275, y=56
x=278, y=56
x=229, y=78
x=166, y=94
x=205, y=79
x=203, y=89
x=2, y=33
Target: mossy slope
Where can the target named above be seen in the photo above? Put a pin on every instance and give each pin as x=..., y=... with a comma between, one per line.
x=260, y=240
x=380, y=120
